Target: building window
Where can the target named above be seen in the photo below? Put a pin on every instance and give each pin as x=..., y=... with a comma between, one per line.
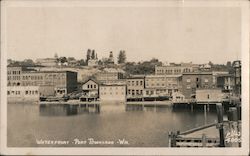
x=188, y=80
x=141, y=83
x=141, y=92
x=197, y=79
x=8, y=92
x=91, y=86
x=26, y=92
x=129, y=91
x=207, y=96
x=132, y=83
x=88, y=86
x=137, y=83
x=188, y=87
x=133, y=92
x=137, y=92
x=147, y=92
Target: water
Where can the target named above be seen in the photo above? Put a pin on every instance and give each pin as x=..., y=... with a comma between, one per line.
x=136, y=126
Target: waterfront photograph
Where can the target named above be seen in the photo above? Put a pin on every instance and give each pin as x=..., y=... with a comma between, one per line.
x=123, y=76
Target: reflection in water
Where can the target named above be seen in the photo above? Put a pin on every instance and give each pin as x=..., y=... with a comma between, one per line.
x=146, y=126
x=67, y=110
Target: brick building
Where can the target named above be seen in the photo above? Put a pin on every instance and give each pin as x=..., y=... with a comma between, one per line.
x=196, y=80
x=135, y=86
x=63, y=82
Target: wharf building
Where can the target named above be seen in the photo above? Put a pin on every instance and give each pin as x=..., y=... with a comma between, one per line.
x=196, y=80
x=112, y=92
x=90, y=90
x=135, y=87
x=162, y=85
x=49, y=82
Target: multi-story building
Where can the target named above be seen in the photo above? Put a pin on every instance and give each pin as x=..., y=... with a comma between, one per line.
x=110, y=74
x=225, y=82
x=135, y=87
x=14, y=75
x=176, y=69
x=112, y=92
x=196, y=80
x=22, y=93
x=64, y=82
x=162, y=85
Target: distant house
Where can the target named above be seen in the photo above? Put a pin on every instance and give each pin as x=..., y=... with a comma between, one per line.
x=112, y=92
x=47, y=62
x=90, y=90
x=110, y=74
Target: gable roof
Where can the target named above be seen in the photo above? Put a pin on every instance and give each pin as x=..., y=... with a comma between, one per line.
x=91, y=79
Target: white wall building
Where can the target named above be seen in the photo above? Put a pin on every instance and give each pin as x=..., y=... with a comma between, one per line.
x=208, y=95
x=22, y=93
x=112, y=92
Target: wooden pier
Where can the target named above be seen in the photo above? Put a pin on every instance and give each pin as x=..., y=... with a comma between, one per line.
x=211, y=135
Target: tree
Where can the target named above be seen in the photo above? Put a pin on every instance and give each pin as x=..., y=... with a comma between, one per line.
x=82, y=62
x=122, y=57
x=93, y=54
x=63, y=59
x=88, y=55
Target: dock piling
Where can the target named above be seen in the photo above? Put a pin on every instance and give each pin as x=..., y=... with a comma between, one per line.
x=220, y=124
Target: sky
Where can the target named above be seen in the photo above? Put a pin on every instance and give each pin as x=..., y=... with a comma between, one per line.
x=171, y=34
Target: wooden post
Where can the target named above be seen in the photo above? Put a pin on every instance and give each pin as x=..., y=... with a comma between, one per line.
x=205, y=108
x=169, y=139
x=192, y=107
x=204, y=140
x=220, y=123
x=233, y=126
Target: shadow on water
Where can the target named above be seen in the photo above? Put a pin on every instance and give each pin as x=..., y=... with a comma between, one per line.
x=67, y=110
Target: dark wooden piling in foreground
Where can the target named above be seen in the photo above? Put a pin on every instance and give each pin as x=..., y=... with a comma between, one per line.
x=219, y=109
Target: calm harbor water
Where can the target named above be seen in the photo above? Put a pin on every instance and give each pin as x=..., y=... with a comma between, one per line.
x=78, y=126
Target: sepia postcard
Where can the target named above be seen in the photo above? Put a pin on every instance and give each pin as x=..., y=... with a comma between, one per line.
x=128, y=77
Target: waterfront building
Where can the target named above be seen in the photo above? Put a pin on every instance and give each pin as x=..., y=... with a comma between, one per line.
x=64, y=82
x=112, y=92
x=135, y=87
x=196, y=80
x=22, y=93
x=162, y=85
x=209, y=95
x=176, y=69
x=47, y=62
x=90, y=90
x=14, y=75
